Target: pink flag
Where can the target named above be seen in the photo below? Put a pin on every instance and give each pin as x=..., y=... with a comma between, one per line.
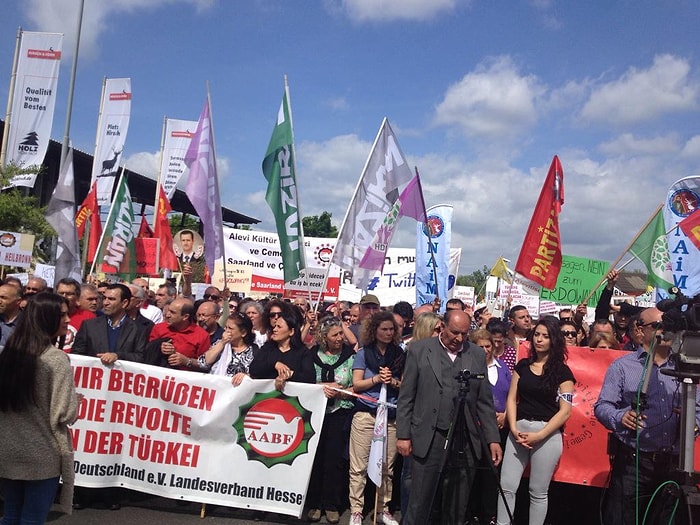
x=409, y=204
x=203, y=187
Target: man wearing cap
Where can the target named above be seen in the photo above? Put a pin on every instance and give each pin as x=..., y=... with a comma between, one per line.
x=369, y=305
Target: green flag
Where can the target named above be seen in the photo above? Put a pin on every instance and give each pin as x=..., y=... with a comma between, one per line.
x=651, y=248
x=117, y=250
x=282, y=197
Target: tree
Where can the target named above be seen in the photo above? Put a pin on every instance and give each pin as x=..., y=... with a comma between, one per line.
x=319, y=226
x=476, y=279
x=22, y=214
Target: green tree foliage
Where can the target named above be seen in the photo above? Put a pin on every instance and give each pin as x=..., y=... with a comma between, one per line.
x=21, y=213
x=319, y=226
x=476, y=279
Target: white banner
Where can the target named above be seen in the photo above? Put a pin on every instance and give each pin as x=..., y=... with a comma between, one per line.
x=178, y=134
x=254, y=266
x=33, y=102
x=682, y=200
x=16, y=249
x=435, y=279
x=113, y=124
x=195, y=437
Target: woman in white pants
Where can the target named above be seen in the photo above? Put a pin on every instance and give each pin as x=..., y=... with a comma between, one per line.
x=538, y=405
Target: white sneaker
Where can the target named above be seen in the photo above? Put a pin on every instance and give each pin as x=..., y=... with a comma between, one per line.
x=355, y=518
x=387, y=519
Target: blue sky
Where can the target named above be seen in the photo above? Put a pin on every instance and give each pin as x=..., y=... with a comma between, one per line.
x=480, y=94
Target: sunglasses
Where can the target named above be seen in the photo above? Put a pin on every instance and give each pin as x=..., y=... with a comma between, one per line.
x=654, y=324
x=568, y=333
x=213, y=297
x=275, y=315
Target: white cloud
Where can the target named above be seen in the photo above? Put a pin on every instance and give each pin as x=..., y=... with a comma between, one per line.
x=338, y=104
x=61, y=16
x=494, y=101
x=641, y=95
x=387, y=10
x=144, y=163
x=692, y=147
x=627, y=145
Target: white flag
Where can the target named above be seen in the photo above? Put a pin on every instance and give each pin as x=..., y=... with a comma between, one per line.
x=384, y=178
x=377, y=451
x=60, y=215
x=178, y=134
x=112, y=127
x=33, y=102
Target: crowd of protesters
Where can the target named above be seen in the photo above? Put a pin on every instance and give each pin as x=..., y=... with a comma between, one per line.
x=348, y=348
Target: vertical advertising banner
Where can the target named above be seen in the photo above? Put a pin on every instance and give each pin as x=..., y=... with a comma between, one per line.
x=112, y=127
x=33, y=102
x=433, y=278
x=682, y=200
x=178, y=134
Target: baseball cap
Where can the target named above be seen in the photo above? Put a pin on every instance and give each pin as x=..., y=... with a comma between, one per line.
x=369, y=299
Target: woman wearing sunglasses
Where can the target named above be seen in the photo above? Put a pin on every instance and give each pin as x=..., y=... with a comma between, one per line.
x=570, y=332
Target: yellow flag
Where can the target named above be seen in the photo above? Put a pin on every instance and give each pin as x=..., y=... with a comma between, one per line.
x=500, y=270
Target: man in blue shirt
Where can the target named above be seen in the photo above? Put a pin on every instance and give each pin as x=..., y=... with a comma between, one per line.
x=647, y=439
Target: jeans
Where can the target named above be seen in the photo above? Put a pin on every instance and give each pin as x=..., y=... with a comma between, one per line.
x=543, y=459
x=27, y=502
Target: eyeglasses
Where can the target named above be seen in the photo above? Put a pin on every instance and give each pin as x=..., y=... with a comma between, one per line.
x=275, y=315
x=210, y=296
x=654, y=324
x=566, y=318
x=330, y=321
x=568, y=333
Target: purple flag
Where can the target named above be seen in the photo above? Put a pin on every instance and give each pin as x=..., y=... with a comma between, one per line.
x=203, y=187
x=409, y=204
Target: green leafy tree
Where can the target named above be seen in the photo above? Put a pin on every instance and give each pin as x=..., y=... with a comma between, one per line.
x=21, y=213
x=476, y=279
x=319, y=226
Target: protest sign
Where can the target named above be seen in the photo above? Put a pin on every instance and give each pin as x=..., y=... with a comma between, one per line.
x=577, y=277
x=16, y=249
x=194, y=436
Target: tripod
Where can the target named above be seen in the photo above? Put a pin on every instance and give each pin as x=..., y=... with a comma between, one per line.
x=457, y=450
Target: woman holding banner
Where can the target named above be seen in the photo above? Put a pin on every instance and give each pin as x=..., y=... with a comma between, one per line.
x=284, y=357
x=378, y=363
x=333, y=359
x=538, y=404
x=37, y=403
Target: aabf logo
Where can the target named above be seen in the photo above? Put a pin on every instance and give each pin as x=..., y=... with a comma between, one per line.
x=274, y=428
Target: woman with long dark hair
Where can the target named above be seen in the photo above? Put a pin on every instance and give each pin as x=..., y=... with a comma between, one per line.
x=333, y=359
x=284, y=357
x=37, y=403
x=538, y=404
x=378, y=363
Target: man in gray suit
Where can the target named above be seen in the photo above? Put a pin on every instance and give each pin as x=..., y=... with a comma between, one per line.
x=114, y=335
x=428, y=399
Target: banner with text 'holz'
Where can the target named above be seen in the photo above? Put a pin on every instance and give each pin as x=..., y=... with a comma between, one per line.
x=33, y=102
x=112, y=126
x=178, y=134
x=195, y=437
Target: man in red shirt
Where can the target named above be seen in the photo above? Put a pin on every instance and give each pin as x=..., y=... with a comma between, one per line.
x=70, y=289
x=179, y=339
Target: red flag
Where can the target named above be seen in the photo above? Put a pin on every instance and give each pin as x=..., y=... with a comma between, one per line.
x=90, y=210
x=691, y=227
x=168, y=259
x=86, y=210
x=540, y=255
x=145, y=231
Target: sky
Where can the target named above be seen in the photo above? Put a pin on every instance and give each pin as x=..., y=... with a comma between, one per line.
x=481, y=96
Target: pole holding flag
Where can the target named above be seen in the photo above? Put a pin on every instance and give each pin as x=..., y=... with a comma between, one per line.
x=279, y=168
x=540, y=256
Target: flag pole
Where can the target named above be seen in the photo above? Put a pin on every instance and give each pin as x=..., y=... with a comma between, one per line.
x=71, y=88
x=109, y=217
x=352, y=199
x=302, y=249
x=10, y=96
x=604, y=279
x=216, y=181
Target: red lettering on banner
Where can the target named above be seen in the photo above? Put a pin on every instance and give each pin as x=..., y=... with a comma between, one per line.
x=87, y=377
x=75, y=437
x=167, y=389
x=92, y=409
x=145, y=448
x=150, y=418
x=103, y=442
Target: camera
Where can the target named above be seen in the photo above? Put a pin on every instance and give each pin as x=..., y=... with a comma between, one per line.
x=465, y=375
x=681, y=323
